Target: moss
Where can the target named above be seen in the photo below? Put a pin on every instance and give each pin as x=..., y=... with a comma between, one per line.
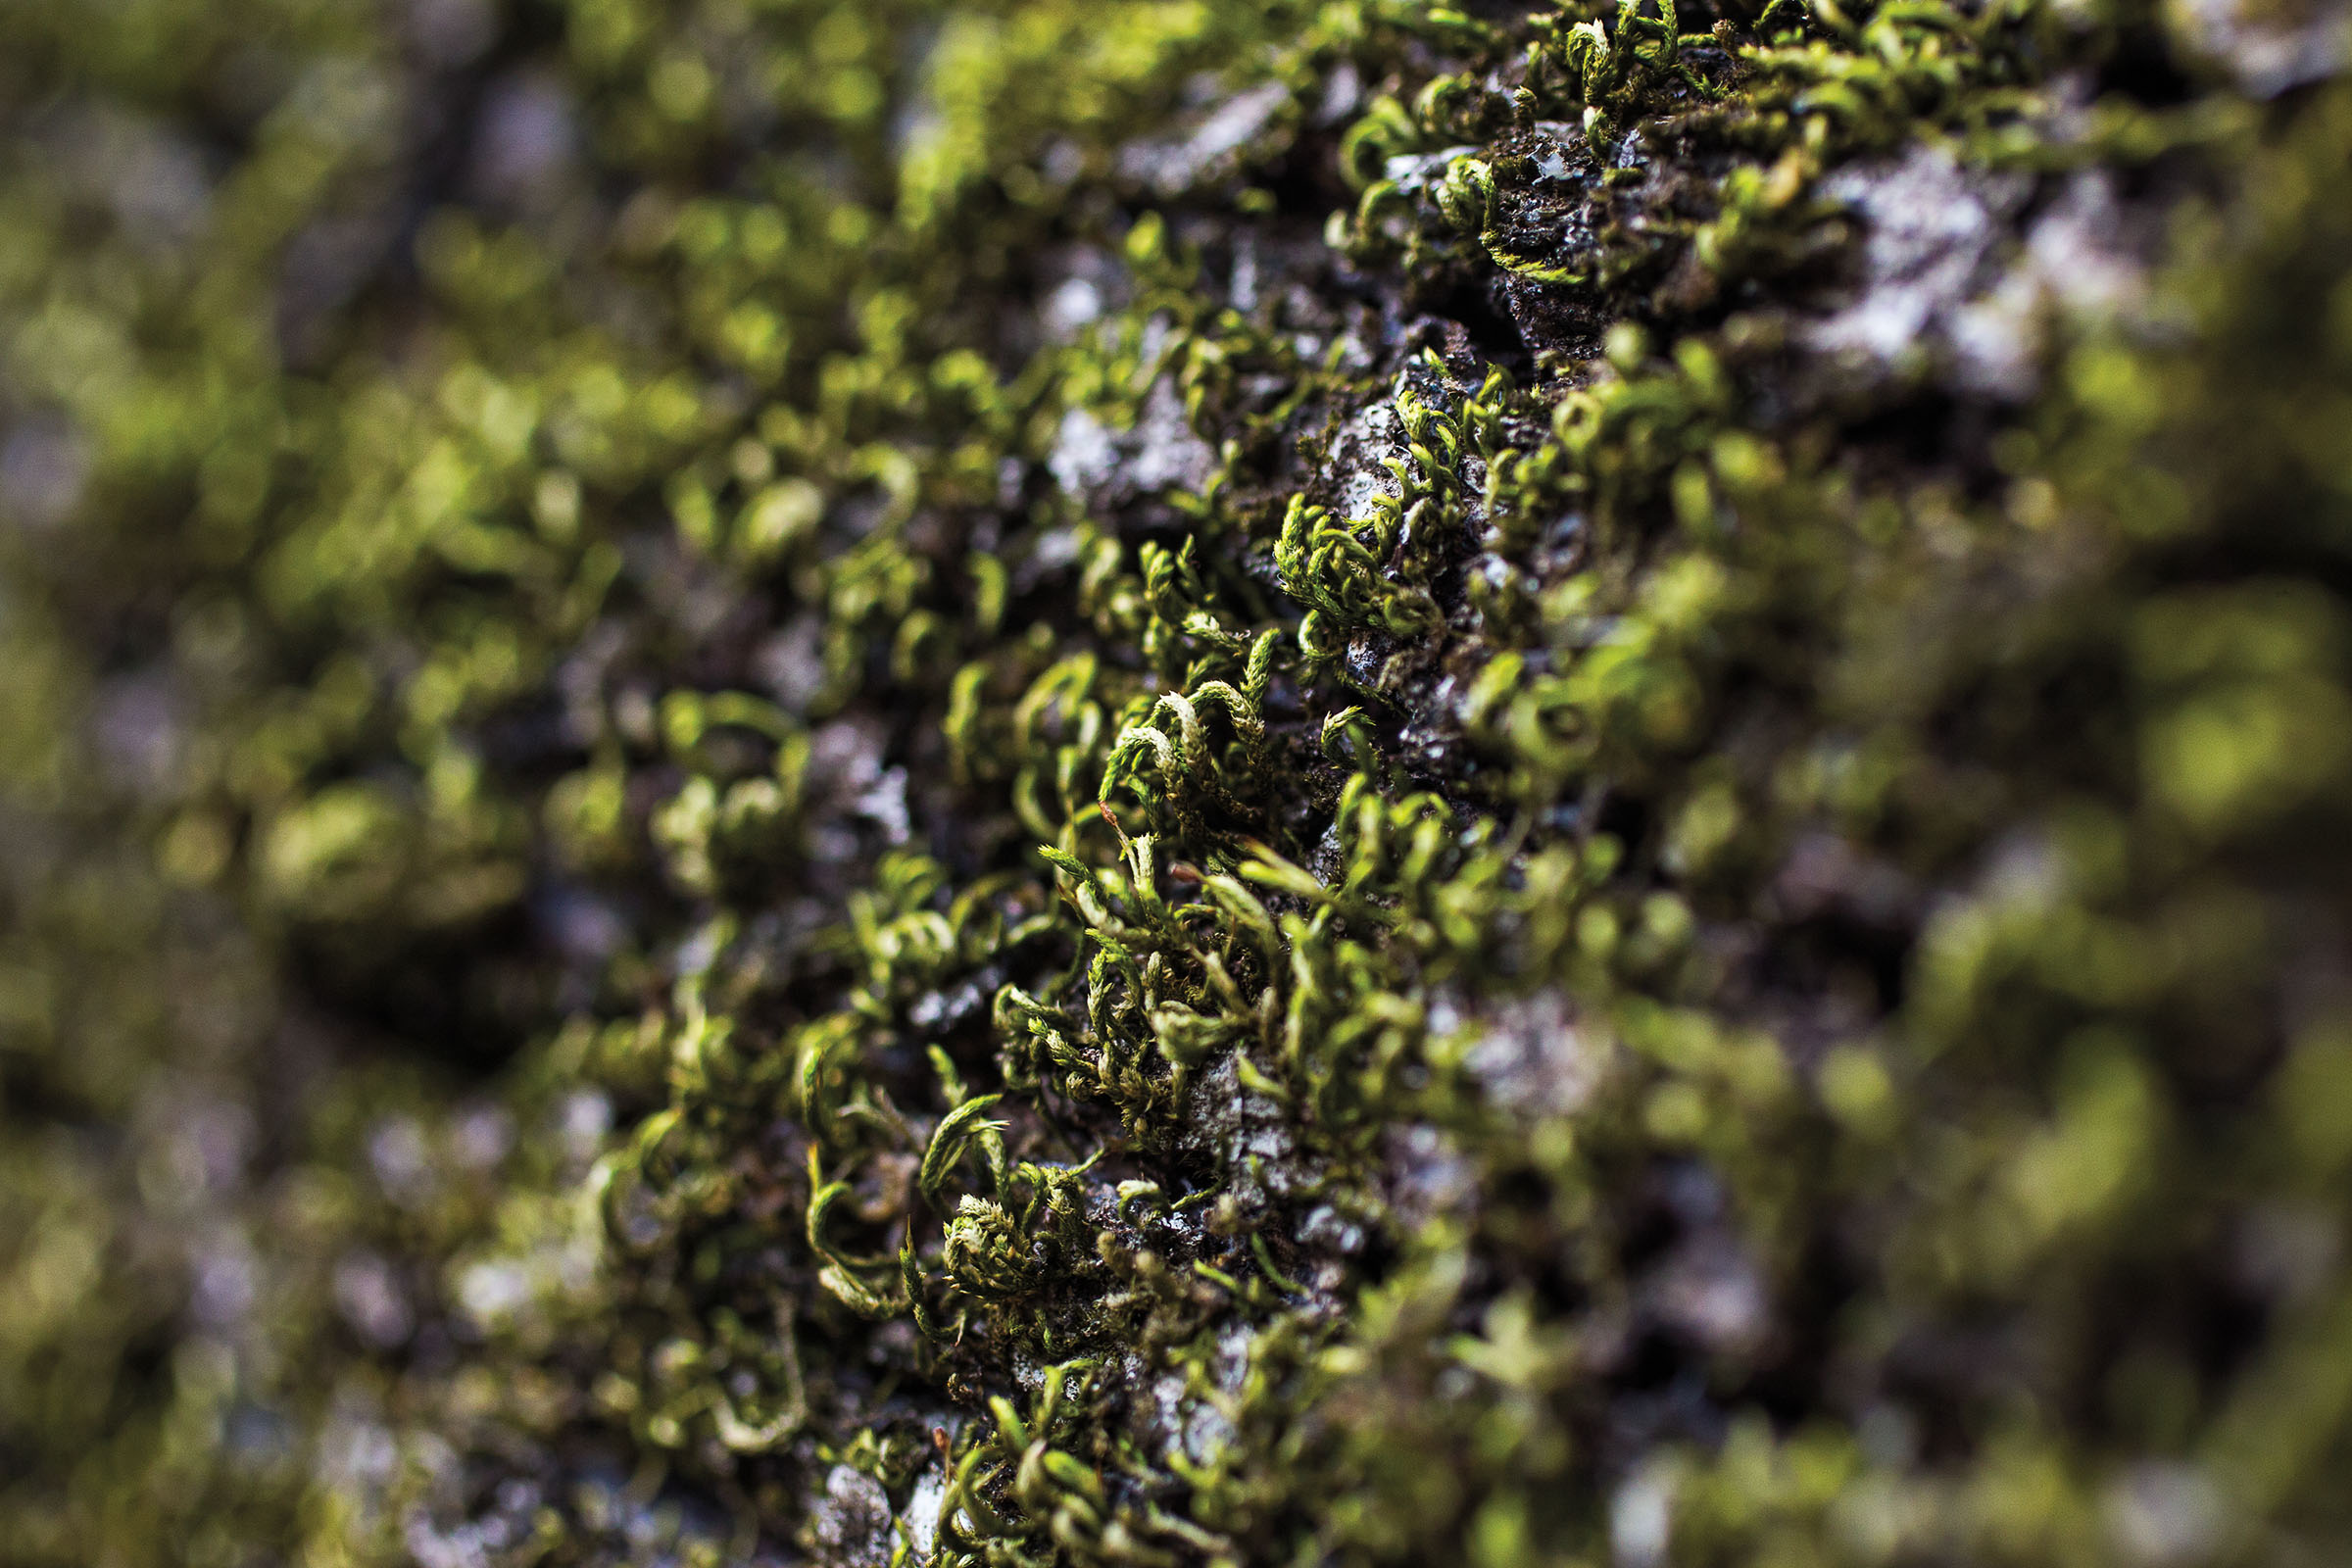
x=1172, y=783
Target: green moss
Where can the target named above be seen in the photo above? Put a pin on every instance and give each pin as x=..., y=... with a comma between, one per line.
x=1167, y=783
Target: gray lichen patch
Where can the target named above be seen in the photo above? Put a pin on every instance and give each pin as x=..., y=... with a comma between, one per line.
x=1964, y=273
x=1933, y=233
x=2269, y=48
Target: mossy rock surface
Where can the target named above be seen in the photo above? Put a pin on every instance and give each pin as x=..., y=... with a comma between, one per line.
x=1173, y=783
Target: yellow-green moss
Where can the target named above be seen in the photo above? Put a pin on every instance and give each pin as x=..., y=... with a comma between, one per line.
x=1167, y=783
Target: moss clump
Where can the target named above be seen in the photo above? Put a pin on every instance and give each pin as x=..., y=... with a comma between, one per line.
x=1168, y=783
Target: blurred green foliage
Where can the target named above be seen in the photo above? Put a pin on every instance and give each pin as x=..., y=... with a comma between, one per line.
x=1156, y=783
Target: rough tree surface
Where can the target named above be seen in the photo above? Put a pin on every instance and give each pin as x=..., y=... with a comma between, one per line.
x=884, y=783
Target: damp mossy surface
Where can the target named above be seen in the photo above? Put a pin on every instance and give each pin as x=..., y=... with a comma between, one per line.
x=891, y=783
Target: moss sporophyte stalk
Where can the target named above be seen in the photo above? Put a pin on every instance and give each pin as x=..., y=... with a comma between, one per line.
x=1176, y=783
